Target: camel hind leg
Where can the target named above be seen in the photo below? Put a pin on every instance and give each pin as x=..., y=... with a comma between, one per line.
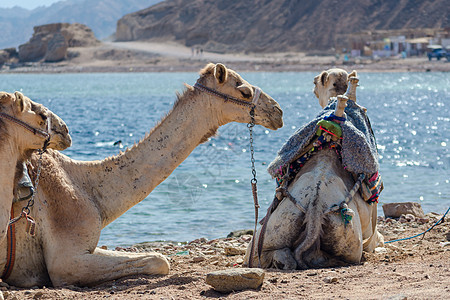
x=104, y=265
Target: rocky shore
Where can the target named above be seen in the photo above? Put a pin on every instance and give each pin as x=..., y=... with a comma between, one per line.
x=417, y=268
x=145, y=56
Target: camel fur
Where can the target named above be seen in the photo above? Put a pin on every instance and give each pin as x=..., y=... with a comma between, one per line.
x=317, y=237
x=77, y=199
x=17, y=144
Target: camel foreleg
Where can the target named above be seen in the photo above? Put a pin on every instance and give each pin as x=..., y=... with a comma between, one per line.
x=104, y=265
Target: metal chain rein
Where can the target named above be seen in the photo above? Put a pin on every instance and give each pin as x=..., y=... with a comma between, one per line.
x=253, y=182
x=31, y=224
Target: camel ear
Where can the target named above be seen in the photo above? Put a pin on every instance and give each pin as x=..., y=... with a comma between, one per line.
x=19, y=101
x=352, y=74
x=220, y=72
x=323, y=77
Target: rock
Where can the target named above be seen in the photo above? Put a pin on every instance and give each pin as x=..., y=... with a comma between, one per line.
x=226, y=281
x=38, y=295
x=330, y=279
x=397, y=297
x=4, y=57
x=395, y=210
x=380, y=250
x=56, y=48
x=239, y=233
x=447, y=236
x=4, y=284
x=198, y=259
x=50, y=41
x=231, y=251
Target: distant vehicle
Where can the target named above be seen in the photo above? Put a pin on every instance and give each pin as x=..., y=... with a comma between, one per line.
x=438, y=52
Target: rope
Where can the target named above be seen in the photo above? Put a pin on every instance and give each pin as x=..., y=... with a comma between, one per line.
x=423, y=233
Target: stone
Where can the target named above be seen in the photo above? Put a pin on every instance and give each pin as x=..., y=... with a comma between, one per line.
x=395, y=210
x=198, y=259
x=239, y=233
x=56, y=48
x=380, y=250
x=231, y=251
x=226, y=281
x=50, y=41
x=397, y=297
x=330, y=279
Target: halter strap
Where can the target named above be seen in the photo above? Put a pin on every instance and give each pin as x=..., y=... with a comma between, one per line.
x=226, y=97
x=28, y=127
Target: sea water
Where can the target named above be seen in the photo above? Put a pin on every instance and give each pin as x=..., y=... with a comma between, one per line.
x=209, y=194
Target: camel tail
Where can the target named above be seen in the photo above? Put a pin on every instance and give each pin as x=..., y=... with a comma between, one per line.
x=313, y=219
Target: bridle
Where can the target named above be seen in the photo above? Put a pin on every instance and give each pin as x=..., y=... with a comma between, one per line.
x=36, y=131
x=250, y=125
x=25, y=213
x=226, y=97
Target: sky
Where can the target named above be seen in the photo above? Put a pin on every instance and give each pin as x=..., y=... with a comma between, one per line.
x=29, y=4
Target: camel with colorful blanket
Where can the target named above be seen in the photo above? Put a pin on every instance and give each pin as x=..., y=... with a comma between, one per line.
x=324, y=212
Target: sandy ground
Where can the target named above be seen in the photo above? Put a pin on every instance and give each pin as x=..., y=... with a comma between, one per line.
x=169, y=57
x=418, y=268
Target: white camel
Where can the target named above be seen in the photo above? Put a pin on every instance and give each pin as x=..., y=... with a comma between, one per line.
x=331, y=83
x=24, y=127
x=307, y=229
x=77, y=199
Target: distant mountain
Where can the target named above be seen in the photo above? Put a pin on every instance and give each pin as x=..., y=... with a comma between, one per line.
x=276, y=25
x=100, y=15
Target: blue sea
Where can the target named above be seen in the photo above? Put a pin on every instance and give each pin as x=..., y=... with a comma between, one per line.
x=209, y=194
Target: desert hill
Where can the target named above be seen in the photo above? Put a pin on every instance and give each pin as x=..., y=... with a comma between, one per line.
x=275, y=25
x=100, y=15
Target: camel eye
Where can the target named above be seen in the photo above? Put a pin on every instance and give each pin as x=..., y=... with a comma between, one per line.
x=334, y=84
x=245, y=95
x=238, y=83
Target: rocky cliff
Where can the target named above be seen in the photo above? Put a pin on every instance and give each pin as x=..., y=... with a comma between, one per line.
x=275, y=25
x=50, y=42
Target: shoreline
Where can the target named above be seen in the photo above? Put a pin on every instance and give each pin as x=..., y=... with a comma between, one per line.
x=170, y=57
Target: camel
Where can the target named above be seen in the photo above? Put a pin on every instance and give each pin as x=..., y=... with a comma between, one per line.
x=318, y=218
x=77, y=199
x=23, y=129
x=331, y=83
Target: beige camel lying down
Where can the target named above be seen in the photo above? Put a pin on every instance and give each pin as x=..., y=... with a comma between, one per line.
x=77, y=199
x=24, y=127
x=303, y=233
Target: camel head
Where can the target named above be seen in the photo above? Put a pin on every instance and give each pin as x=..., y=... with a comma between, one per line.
x=267, y=111
x=36, y=116
x=331, y=83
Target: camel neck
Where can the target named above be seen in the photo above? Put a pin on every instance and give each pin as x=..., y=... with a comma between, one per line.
x=132, y=175
x=10, y=157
